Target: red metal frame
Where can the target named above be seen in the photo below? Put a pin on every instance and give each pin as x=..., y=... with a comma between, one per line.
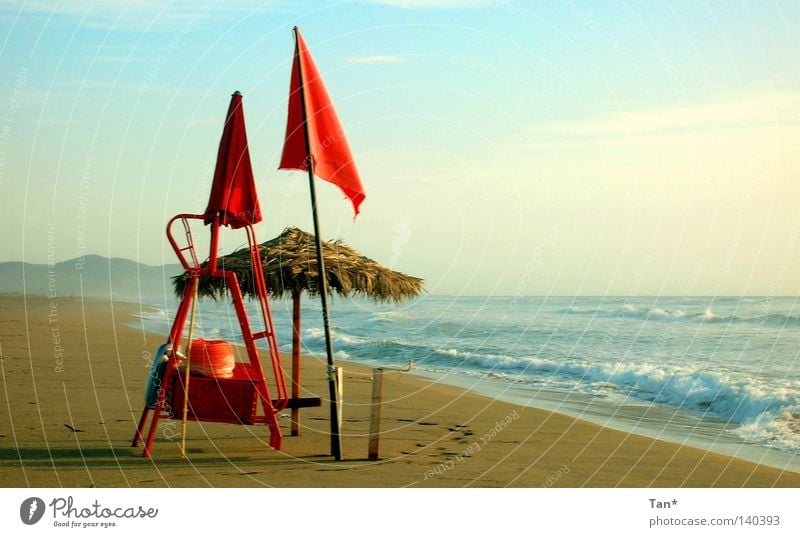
x=253, y=371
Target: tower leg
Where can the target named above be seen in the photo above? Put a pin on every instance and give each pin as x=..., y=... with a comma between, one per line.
x=275, y=435
x=175, y=337
x=151, y=434
x=271, y=415
x=140, y=429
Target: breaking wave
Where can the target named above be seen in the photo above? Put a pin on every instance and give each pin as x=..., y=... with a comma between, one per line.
x=760, y=412
x=630, y=311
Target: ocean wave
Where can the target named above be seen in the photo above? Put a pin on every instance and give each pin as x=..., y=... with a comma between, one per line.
x=368, y=348
x=630, y=311
x=781, y=430
x=338, y=336
x=779, y=320
x=738, y=400
x=155, y=314
x=487, y=361
x=741, y=401
x=392, y=316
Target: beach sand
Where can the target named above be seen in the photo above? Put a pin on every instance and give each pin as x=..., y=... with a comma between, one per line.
x=73, y=376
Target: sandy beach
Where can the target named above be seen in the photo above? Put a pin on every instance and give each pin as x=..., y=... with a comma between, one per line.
x=73, y=375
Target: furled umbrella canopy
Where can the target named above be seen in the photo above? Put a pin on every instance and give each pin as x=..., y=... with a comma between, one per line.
x=233, y=193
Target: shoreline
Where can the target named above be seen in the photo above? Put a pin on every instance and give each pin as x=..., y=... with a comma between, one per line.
x=638, y=419
x=72, y=427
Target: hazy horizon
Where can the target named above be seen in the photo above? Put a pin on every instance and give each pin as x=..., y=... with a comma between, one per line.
x=506, y=148
x=425, y=293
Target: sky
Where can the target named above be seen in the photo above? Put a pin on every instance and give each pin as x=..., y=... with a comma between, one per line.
x=506, y=148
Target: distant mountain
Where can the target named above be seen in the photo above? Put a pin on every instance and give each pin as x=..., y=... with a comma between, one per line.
x=89, y=276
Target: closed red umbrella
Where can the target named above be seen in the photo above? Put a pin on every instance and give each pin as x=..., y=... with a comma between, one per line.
x=233, y=193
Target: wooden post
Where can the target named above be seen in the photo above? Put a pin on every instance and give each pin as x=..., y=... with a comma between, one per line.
x=339, y=393
x=188, y=366
x=375, y=416
x=296, y=359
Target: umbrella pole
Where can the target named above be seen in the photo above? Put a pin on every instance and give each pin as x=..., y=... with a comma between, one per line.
x=336, y=439
x=296, y=359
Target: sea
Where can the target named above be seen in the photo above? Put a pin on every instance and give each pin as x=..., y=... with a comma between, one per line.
x=719, y=373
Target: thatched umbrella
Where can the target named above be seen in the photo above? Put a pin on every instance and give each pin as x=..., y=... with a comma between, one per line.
x=290, y=267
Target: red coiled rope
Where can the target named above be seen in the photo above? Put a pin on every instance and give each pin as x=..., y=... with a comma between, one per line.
x=212, y=358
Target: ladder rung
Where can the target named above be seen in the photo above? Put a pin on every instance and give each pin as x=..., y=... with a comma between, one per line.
x=259, y=335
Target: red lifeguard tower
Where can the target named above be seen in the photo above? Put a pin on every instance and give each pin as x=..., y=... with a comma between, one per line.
x=233, y=203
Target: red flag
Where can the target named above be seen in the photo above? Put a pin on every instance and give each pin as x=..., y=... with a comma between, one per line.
x=233, y=193
x=322, y=135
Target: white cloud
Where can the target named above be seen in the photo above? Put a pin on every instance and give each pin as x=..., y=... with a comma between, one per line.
x=374, y=59
x=204, y=121
x=132, y=14
x=770, y=109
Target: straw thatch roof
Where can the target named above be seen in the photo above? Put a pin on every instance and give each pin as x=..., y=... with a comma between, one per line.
x=290, y=266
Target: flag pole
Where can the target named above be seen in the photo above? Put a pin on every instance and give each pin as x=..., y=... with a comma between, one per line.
x=336, y=439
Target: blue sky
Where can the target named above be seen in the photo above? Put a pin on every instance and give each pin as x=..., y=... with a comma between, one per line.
x=505, y=147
